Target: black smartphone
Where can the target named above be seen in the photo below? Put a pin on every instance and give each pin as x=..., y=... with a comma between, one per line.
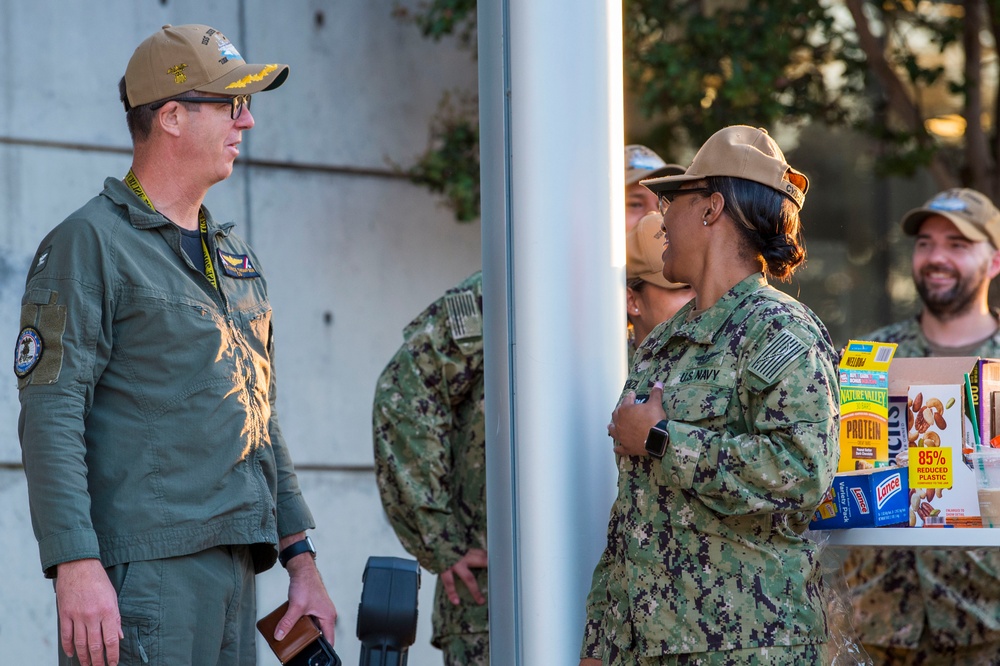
x=317, y=653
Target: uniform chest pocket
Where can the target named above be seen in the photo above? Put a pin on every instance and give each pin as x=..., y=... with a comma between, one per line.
x=255, y=323
x=702, y=405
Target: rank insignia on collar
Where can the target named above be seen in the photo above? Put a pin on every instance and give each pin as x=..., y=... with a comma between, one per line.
x=27, y=351
x=237, y=265
x=41, y=260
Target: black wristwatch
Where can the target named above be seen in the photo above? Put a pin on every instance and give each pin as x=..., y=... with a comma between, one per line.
x=297, y=548
x=656, y=440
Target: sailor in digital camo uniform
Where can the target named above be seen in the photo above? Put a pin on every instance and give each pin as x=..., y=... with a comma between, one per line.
x=429, y=435
x=723, y=465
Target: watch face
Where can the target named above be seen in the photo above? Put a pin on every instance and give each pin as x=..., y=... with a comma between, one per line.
x=656, y=442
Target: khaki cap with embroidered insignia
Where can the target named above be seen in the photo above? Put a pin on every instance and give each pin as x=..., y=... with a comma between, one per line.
x=179, y=59
x=970, y=211
x=644, y=252
x=642, y=162
x=740, y=151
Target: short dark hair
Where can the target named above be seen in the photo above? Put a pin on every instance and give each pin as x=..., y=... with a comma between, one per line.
x=138, y=118
x=635, y=284
x=768, y=222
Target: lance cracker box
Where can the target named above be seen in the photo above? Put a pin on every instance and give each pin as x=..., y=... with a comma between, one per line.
x=864, y=498
x=864, y=405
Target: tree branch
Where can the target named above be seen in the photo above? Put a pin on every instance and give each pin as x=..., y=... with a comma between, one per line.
x=899, y=100
x=976, y=149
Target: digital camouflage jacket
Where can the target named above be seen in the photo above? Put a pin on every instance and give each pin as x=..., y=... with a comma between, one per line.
x=705, y=548
x=430, y=456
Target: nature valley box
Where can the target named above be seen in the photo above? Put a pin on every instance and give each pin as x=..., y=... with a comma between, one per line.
x=864, y=405
x=864, y=498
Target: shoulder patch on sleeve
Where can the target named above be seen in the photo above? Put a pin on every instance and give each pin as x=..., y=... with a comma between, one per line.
x=27, y=351
x=38, y=353
x=464, y=317
x=777, y=354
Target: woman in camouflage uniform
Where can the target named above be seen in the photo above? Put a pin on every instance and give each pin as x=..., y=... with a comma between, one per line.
x=722, y=466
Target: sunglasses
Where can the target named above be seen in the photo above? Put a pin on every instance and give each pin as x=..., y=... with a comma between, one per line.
x=236, y=103
x=664, y=199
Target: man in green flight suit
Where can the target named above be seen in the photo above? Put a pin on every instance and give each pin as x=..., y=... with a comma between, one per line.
x=158, y=478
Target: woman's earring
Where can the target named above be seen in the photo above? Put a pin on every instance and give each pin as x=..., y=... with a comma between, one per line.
x=705, y=222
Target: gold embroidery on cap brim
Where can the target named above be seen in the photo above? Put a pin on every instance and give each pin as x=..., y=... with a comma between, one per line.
x=252, y=78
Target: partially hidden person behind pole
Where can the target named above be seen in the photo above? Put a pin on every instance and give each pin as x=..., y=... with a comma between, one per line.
x=430, y=462
x=642, y=163
x=158, y=479
x=725, y=435
x=938, y=606
x=650, y=298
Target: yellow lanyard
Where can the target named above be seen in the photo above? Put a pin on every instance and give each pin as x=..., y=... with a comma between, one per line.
x=133, y=183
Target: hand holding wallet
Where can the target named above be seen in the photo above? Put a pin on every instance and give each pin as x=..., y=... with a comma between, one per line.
x=304, y=640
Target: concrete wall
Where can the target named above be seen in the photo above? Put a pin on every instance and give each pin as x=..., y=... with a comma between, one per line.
x=352, y=251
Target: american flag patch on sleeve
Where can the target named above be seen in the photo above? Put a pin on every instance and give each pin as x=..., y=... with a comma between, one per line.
x=777, y=354
x=464, y=317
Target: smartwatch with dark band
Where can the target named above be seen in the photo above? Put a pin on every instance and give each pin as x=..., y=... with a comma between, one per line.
x=297, y=548
x=656, y=440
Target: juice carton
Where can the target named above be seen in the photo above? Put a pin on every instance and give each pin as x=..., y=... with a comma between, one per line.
x=864, y=405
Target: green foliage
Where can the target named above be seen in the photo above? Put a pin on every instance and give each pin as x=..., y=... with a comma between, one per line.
x=697, y=66
x=916, y=39
x=440, y=18
x=450, y=166
x=753, y=63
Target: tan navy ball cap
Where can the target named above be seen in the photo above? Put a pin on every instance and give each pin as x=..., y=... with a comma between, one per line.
x=644, y=252
x=970, y=211
x=744, y=152
x=641, y=162
x=182, y=58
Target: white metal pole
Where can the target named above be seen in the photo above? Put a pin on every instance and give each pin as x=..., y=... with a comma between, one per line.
x=551, y=125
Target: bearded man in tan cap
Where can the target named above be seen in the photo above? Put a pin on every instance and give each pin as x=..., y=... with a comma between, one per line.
x=938, y=606
x=158, y=479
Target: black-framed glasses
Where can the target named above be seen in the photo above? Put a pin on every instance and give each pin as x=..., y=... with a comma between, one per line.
x=664, y=199
x=235, y=103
